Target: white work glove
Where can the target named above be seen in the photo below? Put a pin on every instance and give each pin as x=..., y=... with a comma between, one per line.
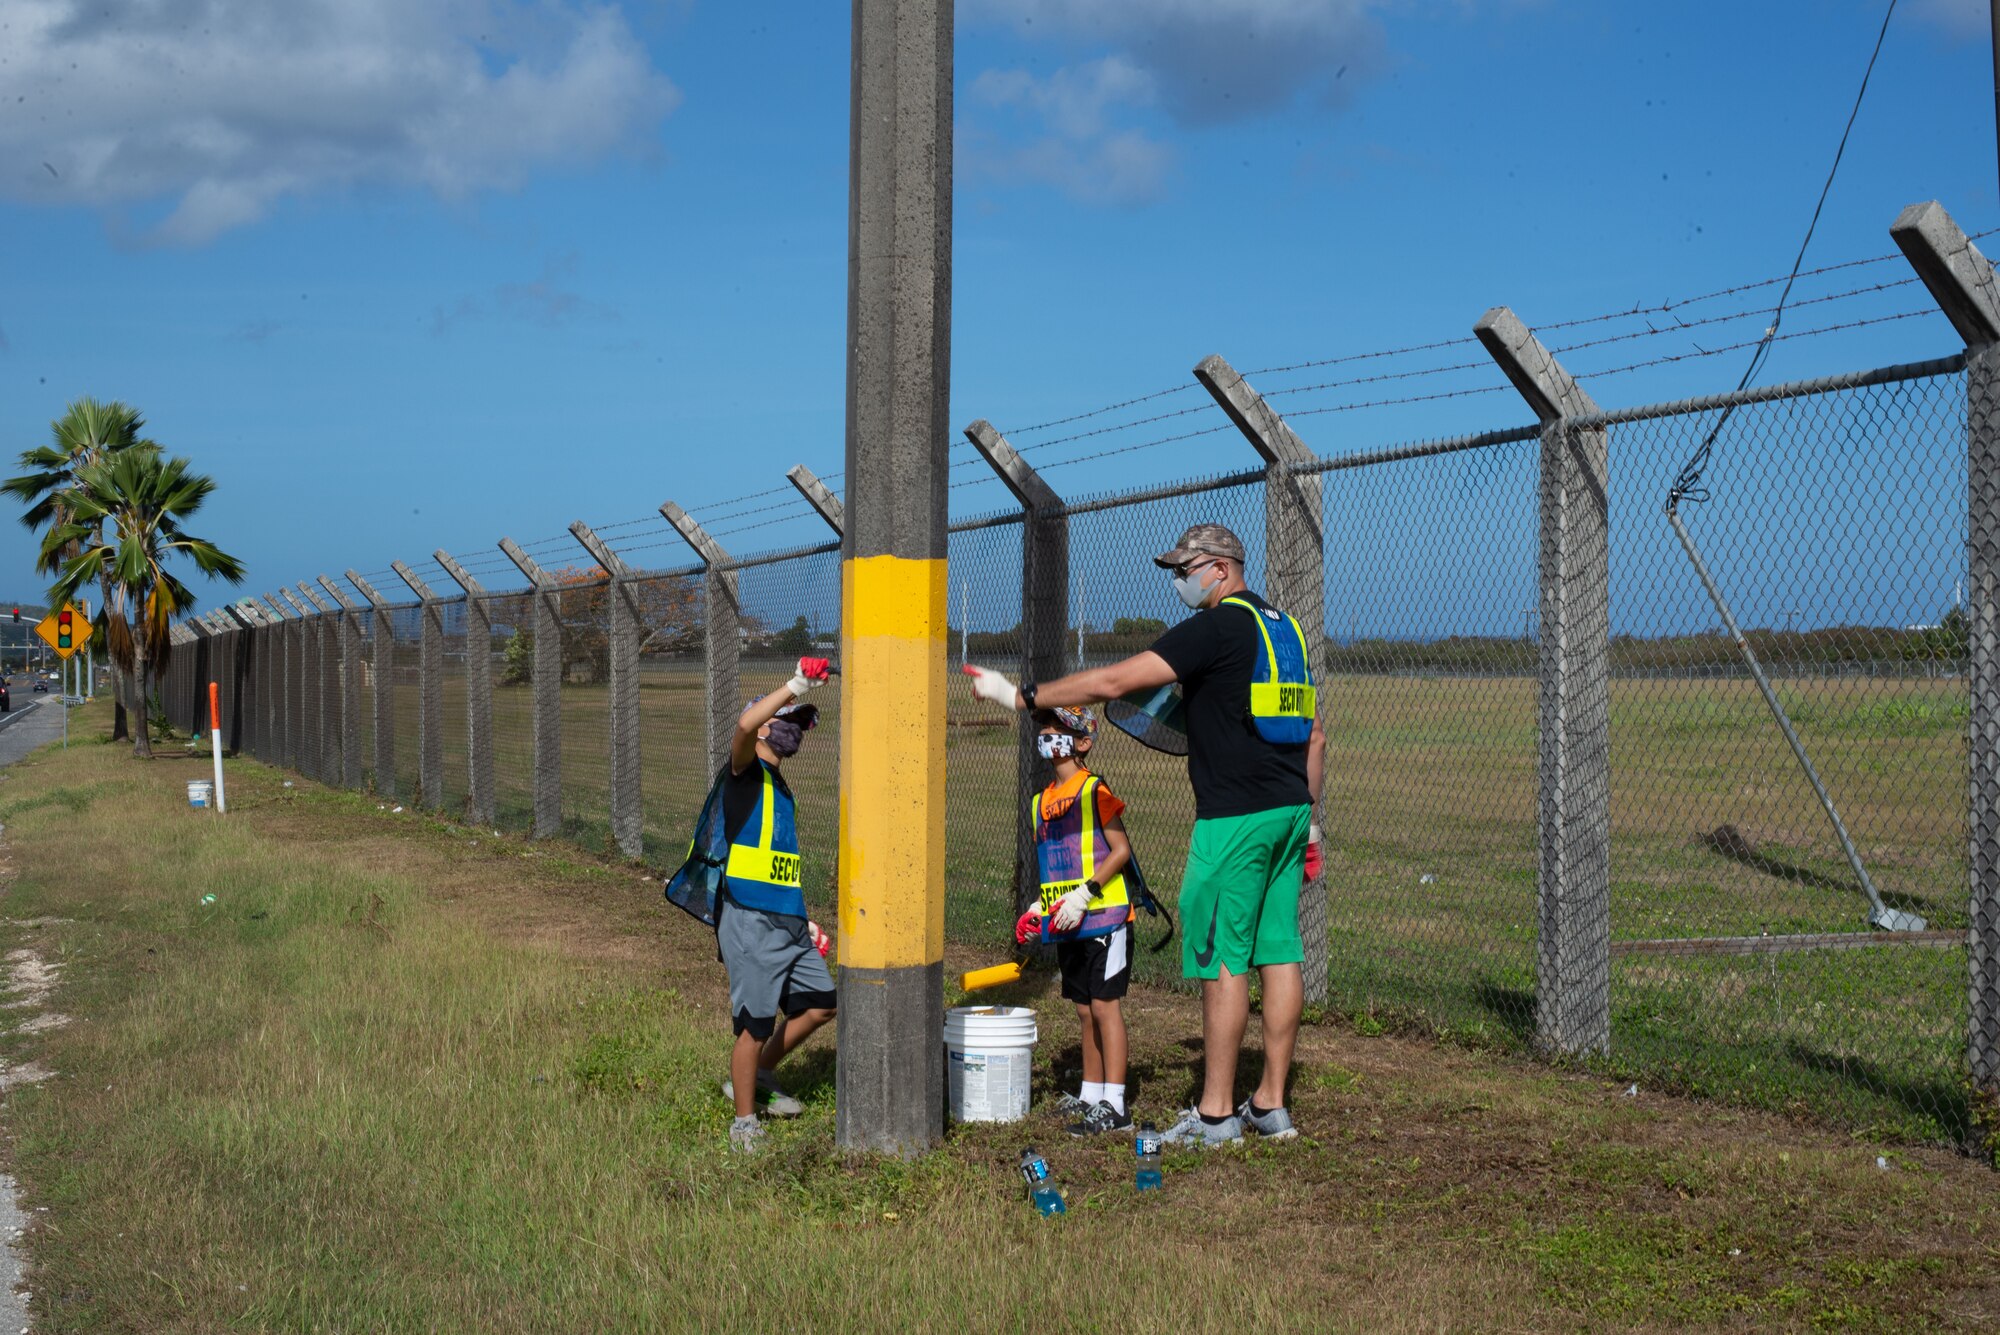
x=1069, y=910
x=810, y=672
x=990, y=685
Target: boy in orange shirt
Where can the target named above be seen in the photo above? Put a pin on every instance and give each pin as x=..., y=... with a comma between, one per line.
x=1085, y=907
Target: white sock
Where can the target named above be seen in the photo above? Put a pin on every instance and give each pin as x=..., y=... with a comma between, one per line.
x=1092, y=1093
x=1115, y=1096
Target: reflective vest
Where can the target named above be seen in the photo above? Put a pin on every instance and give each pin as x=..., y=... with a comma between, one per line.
x=762, y=870
x=1283, y=702
x=1066, y=849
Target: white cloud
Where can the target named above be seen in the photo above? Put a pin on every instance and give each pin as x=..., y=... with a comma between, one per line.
x=1961, y=19
x=217, y=109
x=1072, y=140
x=1212, y=60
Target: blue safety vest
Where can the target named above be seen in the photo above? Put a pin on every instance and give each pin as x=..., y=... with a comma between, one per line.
x=1283, y=702
x=759, y=867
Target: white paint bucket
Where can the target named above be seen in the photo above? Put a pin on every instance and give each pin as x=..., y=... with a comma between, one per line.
x=201, y=793
x=988, y=1051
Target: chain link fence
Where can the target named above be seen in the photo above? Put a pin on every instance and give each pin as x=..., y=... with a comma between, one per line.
x=1734, y=948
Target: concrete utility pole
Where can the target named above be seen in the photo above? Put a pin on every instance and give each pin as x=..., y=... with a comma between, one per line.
x=889, y=1091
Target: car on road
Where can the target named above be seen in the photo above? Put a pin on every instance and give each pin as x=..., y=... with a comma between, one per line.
x=6, y=703
x=42, y=685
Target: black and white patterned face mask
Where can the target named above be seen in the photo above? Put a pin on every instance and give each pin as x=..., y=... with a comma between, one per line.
x=1055, y=745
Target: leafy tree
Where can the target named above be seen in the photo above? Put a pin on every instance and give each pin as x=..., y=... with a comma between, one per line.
x=517, y=660
x=142, y=496
x=1138, y=626
x=795, y=641
x=89, y=431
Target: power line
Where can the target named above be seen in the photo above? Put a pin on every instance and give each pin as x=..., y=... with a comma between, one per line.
x=1687, y=484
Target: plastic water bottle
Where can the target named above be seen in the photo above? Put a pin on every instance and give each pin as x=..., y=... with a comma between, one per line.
x=1146, y=1148
x=1041, y=1185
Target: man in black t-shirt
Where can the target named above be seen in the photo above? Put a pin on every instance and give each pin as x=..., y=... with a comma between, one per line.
x=1253, y=816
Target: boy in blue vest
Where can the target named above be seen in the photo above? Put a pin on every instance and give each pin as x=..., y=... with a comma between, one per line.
x=1082, y=852
x=773, y=954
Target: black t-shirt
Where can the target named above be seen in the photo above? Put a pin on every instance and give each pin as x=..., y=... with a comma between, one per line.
x=741, y=790
x=1234, y=771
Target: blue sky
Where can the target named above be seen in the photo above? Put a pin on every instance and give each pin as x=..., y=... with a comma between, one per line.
x=404, y=274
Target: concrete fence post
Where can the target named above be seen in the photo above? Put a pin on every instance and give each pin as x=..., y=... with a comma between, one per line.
x=430, y=689
x=721, y=617
x=243, y=718
x=286, y=700
x=1573, y=943
x=819, y=496
x=1962, y=282
x=382, y=632
x=545, y=722
x=1044, y=622
x=326, y=673
x=350, y=683
x=1295, y=580
x=628, y=814
x=480, y=798
x=305, y=685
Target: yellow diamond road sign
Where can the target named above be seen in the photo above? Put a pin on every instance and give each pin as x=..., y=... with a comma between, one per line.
x=66, y=630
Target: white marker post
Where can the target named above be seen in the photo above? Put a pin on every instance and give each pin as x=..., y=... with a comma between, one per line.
x=215, y=743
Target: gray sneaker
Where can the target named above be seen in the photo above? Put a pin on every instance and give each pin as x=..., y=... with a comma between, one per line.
x=1273, y=1125
x=1066, y=1105
x=777, y=1103
x=746, y=1135
x=1190, y=1132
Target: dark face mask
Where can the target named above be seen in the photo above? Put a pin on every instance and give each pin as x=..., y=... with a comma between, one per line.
x=784, y=737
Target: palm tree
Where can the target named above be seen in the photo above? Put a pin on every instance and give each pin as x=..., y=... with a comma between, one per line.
x=88, y=431
x=143, y=496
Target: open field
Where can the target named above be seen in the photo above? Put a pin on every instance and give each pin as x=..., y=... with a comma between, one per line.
x=1430, y=818
x=403, y=1075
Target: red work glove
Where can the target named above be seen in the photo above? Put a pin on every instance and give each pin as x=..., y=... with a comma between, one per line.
x=1029, y=927
x=1315, y=855
x=815, y=669
x=821, y=941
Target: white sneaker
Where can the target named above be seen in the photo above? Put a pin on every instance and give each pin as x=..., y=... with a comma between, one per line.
x=777, y=1103
x=746, y=1135
x=1190, y=1132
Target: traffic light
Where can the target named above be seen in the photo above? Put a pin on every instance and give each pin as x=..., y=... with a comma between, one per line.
x=63, y=640
x=17, y=616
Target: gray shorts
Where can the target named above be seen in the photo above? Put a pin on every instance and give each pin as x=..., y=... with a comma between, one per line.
x=773, y=967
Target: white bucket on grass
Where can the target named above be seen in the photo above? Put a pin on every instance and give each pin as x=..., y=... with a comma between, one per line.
x=988, y=1050
x=201, y=793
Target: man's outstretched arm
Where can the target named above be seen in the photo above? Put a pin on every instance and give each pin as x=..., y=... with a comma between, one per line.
x=1089, y=687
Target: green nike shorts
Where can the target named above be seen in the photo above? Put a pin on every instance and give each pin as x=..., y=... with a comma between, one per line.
x=1240, y=897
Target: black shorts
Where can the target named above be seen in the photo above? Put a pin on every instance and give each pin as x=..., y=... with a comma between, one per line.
x=1097, y=968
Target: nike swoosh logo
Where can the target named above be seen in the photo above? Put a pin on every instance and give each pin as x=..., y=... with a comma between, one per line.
x=1207, y=952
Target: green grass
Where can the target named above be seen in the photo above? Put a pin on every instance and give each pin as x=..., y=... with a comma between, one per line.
x=1434, y=777
x=404, y=1076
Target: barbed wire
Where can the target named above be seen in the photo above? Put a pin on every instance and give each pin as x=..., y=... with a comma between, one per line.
x=1392, y=403
x=1098, y=412
x=1361, y=356
x=1751, y=343
x=1485, y=363
x=1684, y=325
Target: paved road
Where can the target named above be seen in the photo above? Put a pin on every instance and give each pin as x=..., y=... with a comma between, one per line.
x=31, y=724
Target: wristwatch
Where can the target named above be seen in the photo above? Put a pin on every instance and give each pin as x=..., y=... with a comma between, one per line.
x=1028, y=695
x=1094, y=888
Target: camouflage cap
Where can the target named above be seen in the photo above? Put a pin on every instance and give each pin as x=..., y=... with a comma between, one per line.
x=1202, y=540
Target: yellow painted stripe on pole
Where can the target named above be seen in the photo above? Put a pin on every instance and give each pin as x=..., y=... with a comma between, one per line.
x=892, y=702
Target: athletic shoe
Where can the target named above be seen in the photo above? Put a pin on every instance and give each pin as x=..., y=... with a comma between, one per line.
x=1066, y=1105
x=777, y=1103
x=746, y=1135
x=1273, y=1125
x=1190, y=1132
x=1101, y=1118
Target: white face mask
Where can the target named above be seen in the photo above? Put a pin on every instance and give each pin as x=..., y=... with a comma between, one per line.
x=1054, y=745
x=1190, y=588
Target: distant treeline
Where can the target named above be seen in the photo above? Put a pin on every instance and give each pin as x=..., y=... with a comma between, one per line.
x=1826, y=648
